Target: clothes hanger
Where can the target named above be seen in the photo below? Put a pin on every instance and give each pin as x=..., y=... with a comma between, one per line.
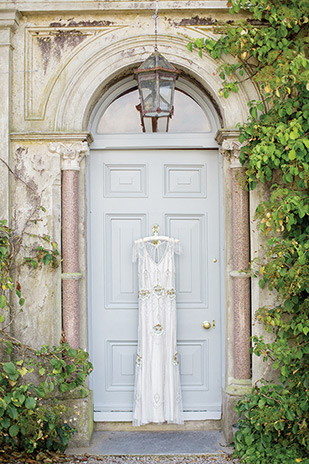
x=156, y=238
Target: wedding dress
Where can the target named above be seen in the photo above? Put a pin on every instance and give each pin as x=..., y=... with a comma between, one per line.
x=157, y=386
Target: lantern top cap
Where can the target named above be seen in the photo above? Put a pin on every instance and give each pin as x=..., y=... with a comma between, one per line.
x=156, y=62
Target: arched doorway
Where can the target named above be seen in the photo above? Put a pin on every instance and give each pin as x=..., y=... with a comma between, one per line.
x=136, y=180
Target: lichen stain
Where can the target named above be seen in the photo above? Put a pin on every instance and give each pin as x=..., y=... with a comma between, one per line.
x=88, y=23
x=20, y=171
x=194, y=21
x=20, y=154
x=55, y=43
x=45, y=47
x=71, y=39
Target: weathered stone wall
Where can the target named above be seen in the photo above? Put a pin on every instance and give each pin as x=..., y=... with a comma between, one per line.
x=37, y=184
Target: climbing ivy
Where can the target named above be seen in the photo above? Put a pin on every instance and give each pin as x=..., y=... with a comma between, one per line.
x=270, y=47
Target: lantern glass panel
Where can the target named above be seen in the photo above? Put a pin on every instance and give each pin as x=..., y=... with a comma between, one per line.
x=162, y=124
x=148, y=94
x=166, y=93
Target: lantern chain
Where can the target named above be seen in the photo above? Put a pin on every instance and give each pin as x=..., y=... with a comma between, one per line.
x=156, y=17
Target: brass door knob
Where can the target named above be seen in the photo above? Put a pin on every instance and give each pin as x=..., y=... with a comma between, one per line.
x=206, y=325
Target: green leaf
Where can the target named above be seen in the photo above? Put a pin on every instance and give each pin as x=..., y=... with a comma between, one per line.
x=30, y=403
x=63, y=387
x=290, y=415
x=2, y=318
x=5, y=423
x=72, y=352
x=9, y=368
x=253, y=112
x=33, y=263
x=13, y=430
x=3, y=301
x=47, y=259
x=284, y=371
x=12, y=411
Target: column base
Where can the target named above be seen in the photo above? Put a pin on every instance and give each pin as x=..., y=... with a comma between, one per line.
x=234, y=392
x=79, y=414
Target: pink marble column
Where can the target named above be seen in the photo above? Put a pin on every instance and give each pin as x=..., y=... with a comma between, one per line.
x=241, y=283
x=71, y=156
x=70, y=263
x=241, y=257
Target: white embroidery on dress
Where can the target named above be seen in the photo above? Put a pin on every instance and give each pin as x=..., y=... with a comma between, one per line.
x=144, y=294
x=158, y=291
x=171, y=293
x=158, y=329
x=156, y=400
x=175, y=359
x=146, y=274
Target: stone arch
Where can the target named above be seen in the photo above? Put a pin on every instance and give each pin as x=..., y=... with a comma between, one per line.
x=102, y=62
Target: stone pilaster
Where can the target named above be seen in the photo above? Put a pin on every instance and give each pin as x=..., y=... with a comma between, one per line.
x=9, y=20
x=241, y=257
x=71, y=156
x=240, y=227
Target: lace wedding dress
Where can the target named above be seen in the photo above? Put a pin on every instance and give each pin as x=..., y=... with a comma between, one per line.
x=157, y=386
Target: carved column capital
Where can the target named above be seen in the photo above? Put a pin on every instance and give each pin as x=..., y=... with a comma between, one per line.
x=230, y=149
x=71, y=154
x=230, y=146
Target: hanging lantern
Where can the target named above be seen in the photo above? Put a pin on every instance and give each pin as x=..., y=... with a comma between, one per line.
x=156, y=79
x=156, y=84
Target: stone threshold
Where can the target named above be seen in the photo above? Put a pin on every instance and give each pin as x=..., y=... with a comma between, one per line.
x=206, y=425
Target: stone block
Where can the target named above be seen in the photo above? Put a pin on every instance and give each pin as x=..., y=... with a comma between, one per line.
x=231, y=395
x=79, y=414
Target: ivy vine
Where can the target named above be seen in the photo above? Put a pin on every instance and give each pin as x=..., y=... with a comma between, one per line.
x=270, y=47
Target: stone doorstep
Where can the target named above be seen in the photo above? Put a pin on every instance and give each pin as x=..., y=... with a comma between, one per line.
x=160, y=443
x=206, y=425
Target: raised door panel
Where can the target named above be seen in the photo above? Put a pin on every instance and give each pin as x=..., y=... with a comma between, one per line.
x=185, y=180
x=193, y=365
x=190, y=229
x=120, y=274
x=120, y=365
x=125, y=180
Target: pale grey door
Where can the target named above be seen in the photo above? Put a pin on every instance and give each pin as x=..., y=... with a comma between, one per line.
x=130, y=191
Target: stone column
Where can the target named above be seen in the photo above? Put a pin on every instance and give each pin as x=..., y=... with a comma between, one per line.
x=241, y=258
x=9, y=20
x=240, y=332
x=71, y=156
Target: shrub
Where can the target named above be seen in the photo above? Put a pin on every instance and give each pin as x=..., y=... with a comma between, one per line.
x=31, y=416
